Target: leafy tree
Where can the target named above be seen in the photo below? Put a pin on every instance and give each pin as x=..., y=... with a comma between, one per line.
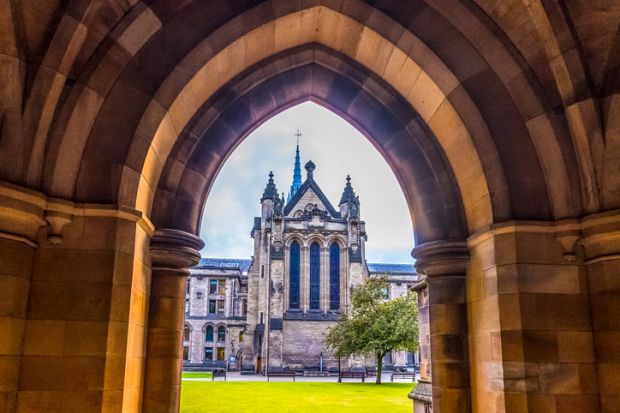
x=375, y=325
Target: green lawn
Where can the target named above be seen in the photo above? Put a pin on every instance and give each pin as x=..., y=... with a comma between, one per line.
x=196, y=375
x=288, y=397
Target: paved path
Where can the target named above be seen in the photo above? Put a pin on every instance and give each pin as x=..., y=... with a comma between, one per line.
x=235, y=376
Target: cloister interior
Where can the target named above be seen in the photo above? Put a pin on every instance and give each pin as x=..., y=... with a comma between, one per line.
x=500, y=120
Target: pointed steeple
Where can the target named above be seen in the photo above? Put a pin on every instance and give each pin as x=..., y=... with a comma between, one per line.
x=348, y=195
x=296, y=172
x=271, y=192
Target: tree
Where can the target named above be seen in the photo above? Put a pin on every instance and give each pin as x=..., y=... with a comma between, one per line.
x=375, y=325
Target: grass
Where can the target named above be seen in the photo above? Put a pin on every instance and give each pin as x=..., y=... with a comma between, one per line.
x=287, y=397
x=196, y=375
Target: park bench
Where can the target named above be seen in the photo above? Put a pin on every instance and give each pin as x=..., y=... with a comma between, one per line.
x=218, y=373
x=280, y=373
x=403, y=375
x=371, y=373
x=352, y=374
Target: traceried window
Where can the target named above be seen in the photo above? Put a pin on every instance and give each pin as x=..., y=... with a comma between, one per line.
x=209, y=333
x=334, y=277
x=294, y=276
x=315, y=276
x=221, y=333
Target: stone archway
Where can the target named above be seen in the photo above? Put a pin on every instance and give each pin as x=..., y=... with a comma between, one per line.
x=498, y=122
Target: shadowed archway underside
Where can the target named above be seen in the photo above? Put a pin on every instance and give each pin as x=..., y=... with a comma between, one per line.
x=500, y=120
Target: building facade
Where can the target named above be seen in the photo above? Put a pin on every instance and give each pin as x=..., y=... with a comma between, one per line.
x=276, y=308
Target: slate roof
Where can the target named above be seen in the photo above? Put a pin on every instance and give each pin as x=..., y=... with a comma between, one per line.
x=381, y=268
x=224, y=263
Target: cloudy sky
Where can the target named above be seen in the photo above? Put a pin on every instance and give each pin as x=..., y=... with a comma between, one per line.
x=337, y=149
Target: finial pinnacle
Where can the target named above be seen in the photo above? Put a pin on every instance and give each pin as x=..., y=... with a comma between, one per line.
x=298, y=134
x=310, y=167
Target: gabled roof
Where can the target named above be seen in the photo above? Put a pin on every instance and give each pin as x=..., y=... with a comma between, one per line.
x=311, y=184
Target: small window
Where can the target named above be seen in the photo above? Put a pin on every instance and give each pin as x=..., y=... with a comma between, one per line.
x=262, y=271
x=241, y=336
x=221, y=333
x=185, y=353
x=209, y=333
x=261, y=317
x=220, y=307
x=186, y=333
x=209, y=353
x=199, y=294
x=221, y=353
x=385, y=293
x=221, y=287
x=212, y=306
x=244, y=307
x=212, y=286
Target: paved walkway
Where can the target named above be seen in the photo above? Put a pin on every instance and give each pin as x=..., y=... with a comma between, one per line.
x=235, y=376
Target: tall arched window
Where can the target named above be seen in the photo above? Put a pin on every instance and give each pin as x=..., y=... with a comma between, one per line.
x=294, y=276
x=186, y=333
x=221, y=333
x=315, y=276
x=334, y=277
x=209, y=333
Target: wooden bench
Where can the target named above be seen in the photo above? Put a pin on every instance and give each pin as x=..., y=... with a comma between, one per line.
x=218, y=373
x=371, y=373
x=403, y=375
x=280, y=373
x=352, y=375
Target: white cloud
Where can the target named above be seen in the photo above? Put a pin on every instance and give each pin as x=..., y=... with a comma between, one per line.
x=337, y=149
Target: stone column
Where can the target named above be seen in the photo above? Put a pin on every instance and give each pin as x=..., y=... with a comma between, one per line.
x=422, y=393
x=21, y=216
x=600, y=249
x=444, y=264
x=173, y=252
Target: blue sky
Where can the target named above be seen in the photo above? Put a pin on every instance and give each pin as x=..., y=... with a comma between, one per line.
x=337, y=149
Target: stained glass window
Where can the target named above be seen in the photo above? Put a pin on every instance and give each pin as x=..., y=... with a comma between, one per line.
x=315, y=276
x=334, y=277
x=294, y=276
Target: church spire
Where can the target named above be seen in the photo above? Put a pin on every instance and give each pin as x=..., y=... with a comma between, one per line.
x=348, y=195
x=296, y=172
x=271, y=191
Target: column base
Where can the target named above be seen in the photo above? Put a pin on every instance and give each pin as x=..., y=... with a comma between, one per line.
x=422, y=396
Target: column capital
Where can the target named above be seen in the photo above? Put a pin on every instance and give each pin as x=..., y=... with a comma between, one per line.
x=445, y=257
x=175, y=249
x=600, y=237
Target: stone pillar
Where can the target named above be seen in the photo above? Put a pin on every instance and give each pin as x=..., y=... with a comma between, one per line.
x=173, y=252
x=20, y=219
x=422, y=393
x=530, y=328
x=444, y=263
x=600, y=244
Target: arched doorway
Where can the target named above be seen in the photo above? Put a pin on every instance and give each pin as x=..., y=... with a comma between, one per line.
x=500, y=157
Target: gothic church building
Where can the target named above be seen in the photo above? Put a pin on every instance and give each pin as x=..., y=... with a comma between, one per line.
x=308, y=257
